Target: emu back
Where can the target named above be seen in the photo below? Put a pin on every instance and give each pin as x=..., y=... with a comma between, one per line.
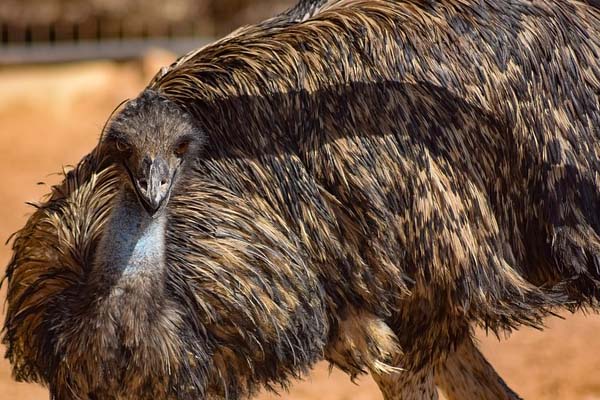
x=444, y=149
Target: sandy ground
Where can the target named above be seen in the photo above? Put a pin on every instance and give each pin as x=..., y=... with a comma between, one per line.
x=51, y=116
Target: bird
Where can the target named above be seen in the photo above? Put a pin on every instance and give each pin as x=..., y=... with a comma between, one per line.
x=364, y=184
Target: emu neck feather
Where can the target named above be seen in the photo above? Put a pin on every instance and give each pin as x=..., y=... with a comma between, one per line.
x=133, y=243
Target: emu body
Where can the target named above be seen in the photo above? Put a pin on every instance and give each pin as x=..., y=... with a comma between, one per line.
x=372, y=182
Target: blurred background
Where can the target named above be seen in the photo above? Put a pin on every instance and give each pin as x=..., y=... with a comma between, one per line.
x=65, y=65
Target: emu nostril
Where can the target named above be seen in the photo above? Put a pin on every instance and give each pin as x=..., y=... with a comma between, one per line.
x=143, y=184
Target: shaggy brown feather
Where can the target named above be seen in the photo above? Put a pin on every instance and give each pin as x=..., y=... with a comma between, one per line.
x=426, y=165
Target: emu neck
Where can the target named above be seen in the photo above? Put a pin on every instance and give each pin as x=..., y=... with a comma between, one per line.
x=133, y=244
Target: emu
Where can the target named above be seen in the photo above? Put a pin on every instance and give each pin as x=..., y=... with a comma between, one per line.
x=364, y=184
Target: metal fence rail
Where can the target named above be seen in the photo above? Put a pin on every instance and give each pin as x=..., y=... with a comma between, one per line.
x=83, y=50
x=93, y=39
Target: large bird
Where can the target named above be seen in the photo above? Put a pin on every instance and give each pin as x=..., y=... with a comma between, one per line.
x=365, y=183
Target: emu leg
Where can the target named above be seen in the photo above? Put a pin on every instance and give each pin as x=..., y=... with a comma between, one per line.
x=407, y=385
x=467, y=375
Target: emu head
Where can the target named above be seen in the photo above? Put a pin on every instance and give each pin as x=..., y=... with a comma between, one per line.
x=152, y=140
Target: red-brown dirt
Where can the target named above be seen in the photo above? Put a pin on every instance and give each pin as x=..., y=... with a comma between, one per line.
x=51, y=116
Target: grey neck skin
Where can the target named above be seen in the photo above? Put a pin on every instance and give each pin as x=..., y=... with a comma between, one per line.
x=132, y=248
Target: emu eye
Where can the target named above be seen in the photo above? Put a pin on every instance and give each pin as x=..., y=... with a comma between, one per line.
x=122, y=146
x=181, y=148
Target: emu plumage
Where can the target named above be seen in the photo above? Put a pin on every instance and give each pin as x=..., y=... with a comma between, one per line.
x=418, y=166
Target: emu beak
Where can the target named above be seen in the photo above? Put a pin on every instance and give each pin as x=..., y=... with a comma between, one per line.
x=154, y=186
